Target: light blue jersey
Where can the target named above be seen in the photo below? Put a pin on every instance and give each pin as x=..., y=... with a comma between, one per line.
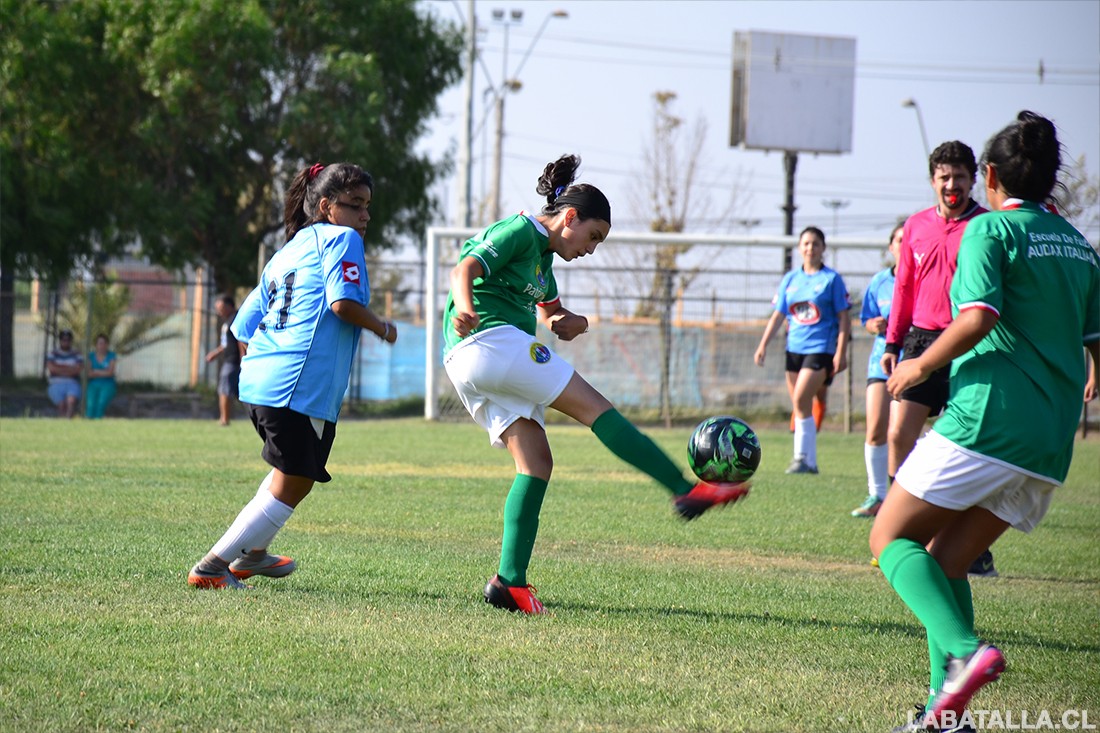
x=299, y=353
x=255, y=305
x=876, y=304
x=813, y=305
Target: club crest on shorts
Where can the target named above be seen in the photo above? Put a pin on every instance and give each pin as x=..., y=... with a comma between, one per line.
x=540, y=353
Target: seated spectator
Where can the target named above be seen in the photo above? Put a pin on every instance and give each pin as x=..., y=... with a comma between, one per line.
x=101, y=377
x=63, y=366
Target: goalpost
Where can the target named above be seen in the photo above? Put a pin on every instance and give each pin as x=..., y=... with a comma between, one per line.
x=675, y=319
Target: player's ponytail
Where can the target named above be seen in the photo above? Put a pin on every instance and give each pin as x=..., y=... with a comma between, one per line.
x=1027, y=157
x=318, y=181
x=556, y=184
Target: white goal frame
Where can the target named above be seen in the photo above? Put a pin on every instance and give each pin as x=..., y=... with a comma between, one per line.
x=761, y=260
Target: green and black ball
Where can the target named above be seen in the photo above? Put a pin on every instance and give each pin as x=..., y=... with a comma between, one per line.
x=724, y=449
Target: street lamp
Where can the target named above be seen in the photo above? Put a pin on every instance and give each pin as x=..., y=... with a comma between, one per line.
x=465, y=152
x=545, y=21
x=836, y=205
x=920, y=121
x=749, y=224
x=513, y=17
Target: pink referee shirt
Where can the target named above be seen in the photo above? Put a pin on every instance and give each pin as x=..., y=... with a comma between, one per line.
x=926, y=266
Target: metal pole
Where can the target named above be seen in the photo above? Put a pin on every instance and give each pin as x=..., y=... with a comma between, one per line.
x=498, y=144
x=89, y=283
x=498, y=152
x=666, y=349
x=510, y=85
x=920, y=121
x=432, y=327
x=836, y=205
x=538, y=34
x=790, y=163
x=923, y=132
x=465, y=154
x=848, y=382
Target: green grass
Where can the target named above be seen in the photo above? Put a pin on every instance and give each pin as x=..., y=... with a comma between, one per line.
x=762, y=617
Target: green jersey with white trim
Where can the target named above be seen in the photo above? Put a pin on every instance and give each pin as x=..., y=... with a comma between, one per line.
x=1016, y=396
x=517, y=276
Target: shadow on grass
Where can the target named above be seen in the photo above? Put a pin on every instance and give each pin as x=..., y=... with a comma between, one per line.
x=405, y=596
x=884, y=627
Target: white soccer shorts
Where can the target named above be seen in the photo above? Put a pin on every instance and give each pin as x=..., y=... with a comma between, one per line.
x=502, y=374
x=944, y=474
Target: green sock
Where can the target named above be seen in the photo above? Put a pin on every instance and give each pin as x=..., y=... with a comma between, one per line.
x=937, y=658
x=919, y=580
x=628, y=443
x=961, y=588
x=521, y=525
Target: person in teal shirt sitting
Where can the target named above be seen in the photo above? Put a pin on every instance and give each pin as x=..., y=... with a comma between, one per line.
x=101, y=377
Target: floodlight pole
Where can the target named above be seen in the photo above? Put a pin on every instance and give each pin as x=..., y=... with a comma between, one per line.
x=836, y=205
x=920, y=121
x=465, y=153
x=515, y=17
x=790, y=163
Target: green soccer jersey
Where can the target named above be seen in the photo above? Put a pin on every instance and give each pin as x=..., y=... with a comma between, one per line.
x=517, y=276
x=1016, y=396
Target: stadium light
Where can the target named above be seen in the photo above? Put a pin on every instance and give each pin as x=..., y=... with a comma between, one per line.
x=836, y=205
x=512, y=84
x=920, y=121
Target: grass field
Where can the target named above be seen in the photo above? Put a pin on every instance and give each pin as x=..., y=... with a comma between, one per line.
x=764, y=617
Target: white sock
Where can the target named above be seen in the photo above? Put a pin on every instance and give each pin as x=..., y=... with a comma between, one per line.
x=266, y=483
x=254, y=528
x=876, y=457
x=805, y=440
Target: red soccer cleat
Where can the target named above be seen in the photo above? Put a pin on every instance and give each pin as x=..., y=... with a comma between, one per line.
x=706, y=495
x=513, y=597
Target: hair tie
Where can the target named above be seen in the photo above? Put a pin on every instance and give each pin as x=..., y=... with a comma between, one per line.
x=315, y=169
x=558, y=191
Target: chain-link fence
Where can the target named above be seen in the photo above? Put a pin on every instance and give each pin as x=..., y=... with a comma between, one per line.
x=674, y=324
x=675, y=320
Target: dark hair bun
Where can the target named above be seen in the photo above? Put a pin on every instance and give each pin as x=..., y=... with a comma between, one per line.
x=557, y=175
x=1037, y=134
x=1027, y=156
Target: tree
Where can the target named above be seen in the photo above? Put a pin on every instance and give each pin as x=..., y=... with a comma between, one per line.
x=110, y=314
x=176, y=124
x=672, y=197
x=1079, y=199
x=61, y=101
x=248, y=92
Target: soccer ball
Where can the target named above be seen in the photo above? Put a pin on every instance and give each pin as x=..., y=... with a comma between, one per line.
x=724, y=448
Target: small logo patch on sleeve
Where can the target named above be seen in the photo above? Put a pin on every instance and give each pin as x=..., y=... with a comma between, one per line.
x=351, y=272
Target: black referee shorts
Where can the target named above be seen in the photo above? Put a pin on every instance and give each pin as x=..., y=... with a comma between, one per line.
x=933, y=392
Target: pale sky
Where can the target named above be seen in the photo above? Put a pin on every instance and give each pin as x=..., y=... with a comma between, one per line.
x=588, y=83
